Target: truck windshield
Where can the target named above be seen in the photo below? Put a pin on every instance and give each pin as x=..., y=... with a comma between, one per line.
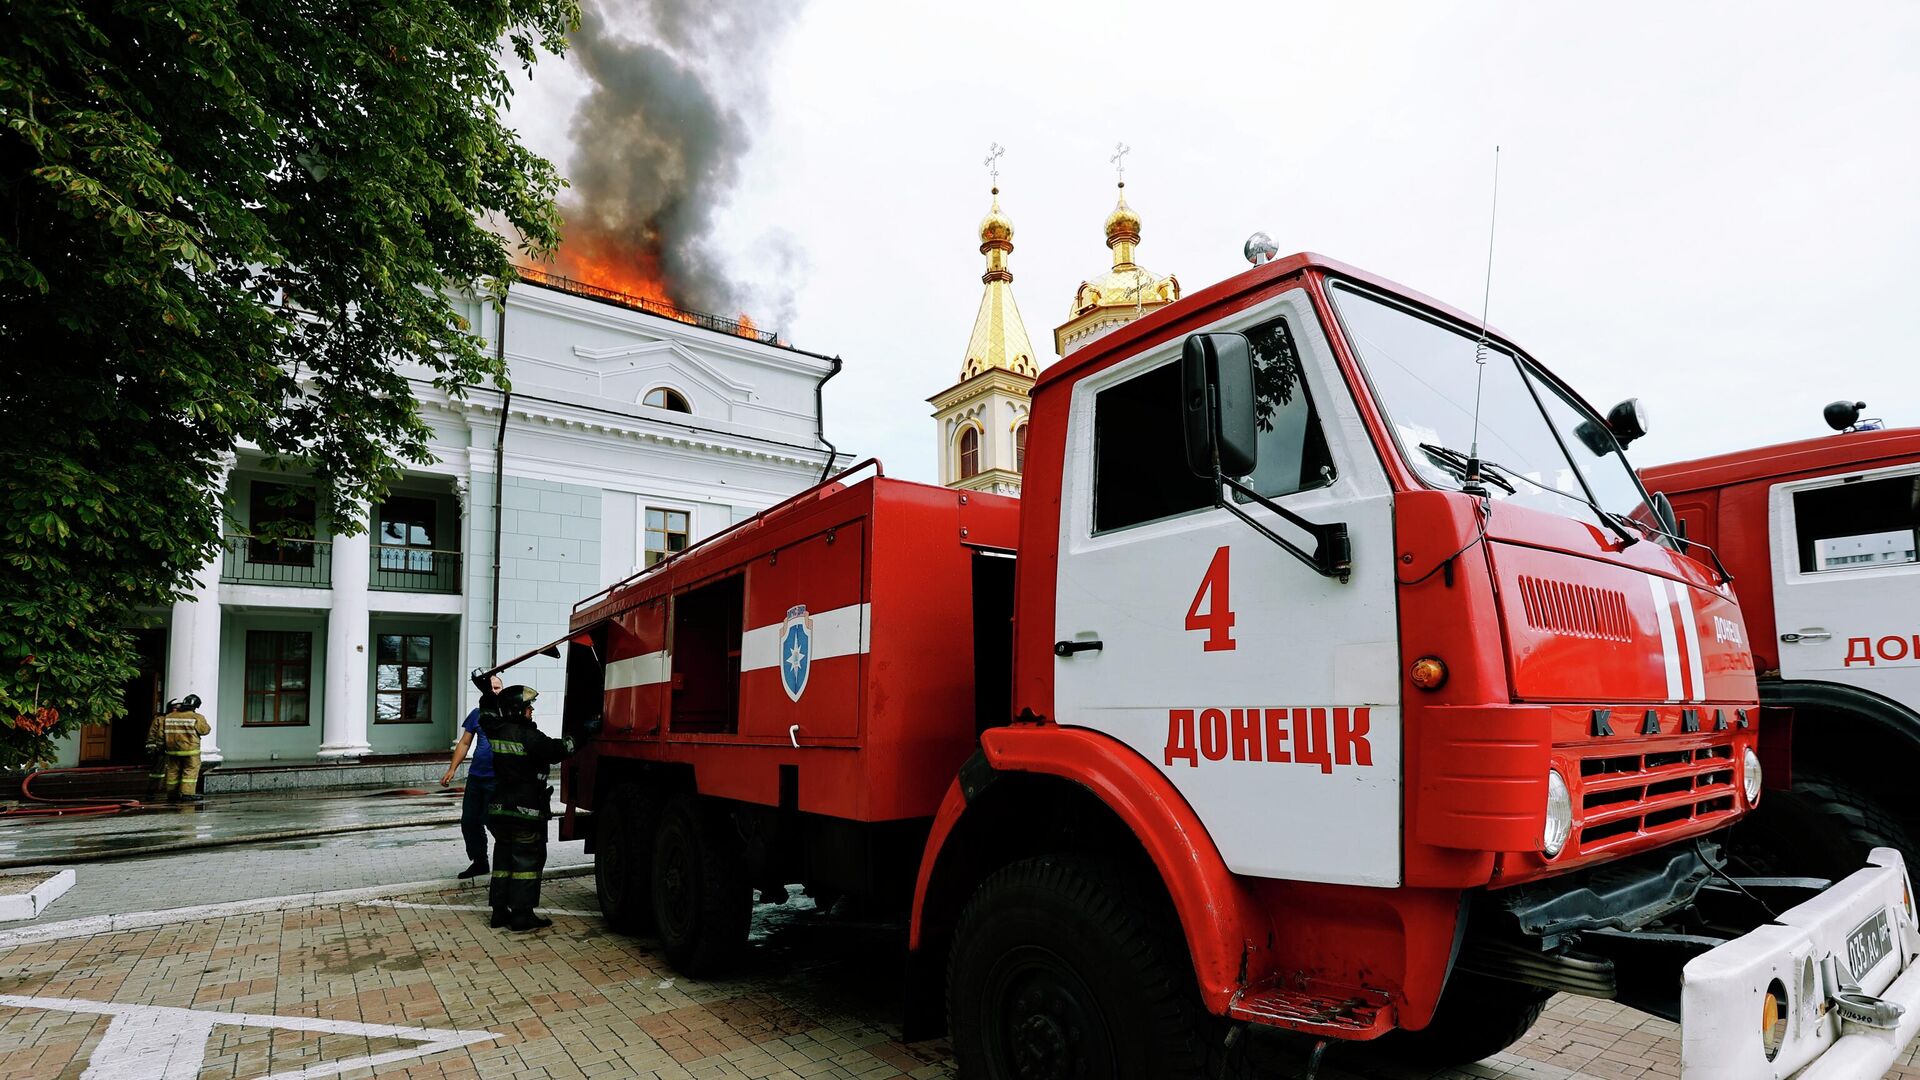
x=1423, y=372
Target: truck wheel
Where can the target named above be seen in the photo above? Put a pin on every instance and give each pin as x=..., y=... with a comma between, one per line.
x=1478, y=1017
x=1060, y=971
x=623, y=845
x=701, y=900
x=1823, y=827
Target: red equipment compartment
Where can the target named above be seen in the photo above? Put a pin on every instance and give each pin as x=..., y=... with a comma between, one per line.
x=879, y=577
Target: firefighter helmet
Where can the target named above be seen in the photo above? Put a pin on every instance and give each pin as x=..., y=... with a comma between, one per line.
x=190, y=703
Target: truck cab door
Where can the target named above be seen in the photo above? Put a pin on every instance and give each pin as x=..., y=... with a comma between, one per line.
x=1846, y=580
x=1267, y=694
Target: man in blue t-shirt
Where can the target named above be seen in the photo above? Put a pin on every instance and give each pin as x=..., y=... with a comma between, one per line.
x=473, y=805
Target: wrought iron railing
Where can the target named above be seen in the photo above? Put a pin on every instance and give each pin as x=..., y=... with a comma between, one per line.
x=415, y=569
x=252, y=560
x=536, y=276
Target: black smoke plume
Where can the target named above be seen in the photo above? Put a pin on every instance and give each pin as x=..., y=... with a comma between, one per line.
x=658, y=143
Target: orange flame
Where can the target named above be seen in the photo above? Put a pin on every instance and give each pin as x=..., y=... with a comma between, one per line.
x=747, y=327
x=594, y=260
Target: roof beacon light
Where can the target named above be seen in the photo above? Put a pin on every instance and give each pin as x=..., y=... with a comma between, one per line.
x=1260, y=249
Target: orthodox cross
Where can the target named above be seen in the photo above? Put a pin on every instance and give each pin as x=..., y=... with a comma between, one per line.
x=1119, y=161
x=994, y=153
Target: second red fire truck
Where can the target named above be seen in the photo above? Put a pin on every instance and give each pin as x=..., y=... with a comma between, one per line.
x=1334, y=674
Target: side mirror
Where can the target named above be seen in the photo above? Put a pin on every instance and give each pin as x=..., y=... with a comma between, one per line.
x=1627, y=421
x=1217, y=404
x=1669, y=521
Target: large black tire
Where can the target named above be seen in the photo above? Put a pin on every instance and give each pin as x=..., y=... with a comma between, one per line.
x=622, y=858
x=1478, y=1017
x=1064, y=969
x=1824, y=827
x=702, y=903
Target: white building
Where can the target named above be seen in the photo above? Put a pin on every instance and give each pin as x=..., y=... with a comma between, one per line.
x=629, y=434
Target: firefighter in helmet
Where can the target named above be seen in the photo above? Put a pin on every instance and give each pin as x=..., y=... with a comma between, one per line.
x=517, y=814
x=175, y=737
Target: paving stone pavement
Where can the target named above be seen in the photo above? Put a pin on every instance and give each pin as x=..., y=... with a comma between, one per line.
x=817, y=999
x=280, y=868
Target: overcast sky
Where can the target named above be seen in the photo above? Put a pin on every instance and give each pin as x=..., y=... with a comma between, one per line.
x=1713, y=207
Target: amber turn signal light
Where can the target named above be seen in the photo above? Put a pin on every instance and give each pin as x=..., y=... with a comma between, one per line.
x=1429, y=673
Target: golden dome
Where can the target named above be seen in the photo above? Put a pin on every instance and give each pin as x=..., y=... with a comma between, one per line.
x=1123, y=224
x=996, y=226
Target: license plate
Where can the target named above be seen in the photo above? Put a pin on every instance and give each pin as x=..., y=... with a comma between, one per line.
x=1869, y=943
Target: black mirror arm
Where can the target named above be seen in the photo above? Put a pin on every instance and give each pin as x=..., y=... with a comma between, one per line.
x=1331, y=557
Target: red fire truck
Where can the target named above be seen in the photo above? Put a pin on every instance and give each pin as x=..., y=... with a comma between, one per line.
x=1821, y=536
x=1333, y=674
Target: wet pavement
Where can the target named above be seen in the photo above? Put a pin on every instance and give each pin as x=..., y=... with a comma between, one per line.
x=419, y=987
x=219, y=820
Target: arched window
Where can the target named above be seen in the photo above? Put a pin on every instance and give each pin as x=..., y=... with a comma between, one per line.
x=1020, y=447
x=662, y=398
x=969, y=452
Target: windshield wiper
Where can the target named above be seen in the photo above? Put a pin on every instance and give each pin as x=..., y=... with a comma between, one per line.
x=1627, y=539
x=1455, y=462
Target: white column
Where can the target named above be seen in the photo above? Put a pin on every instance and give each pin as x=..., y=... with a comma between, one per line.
x=193, y=653
x=344, y=731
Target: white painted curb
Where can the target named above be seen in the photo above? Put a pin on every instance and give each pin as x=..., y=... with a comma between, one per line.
x=141, y=920
x=29, y=905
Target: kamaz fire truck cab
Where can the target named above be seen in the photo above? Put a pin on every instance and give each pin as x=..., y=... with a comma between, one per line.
x=1356, y=688
x=1823, y=537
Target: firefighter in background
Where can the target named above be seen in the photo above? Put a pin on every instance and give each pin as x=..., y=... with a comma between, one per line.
x=517, y=814
x=157, y=761
x=176, y=736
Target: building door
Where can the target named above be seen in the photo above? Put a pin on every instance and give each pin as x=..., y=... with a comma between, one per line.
x=1267, y=694
x=123, y=742
x=1845, y=575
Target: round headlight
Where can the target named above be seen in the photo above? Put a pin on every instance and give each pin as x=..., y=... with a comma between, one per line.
x=1750, y=775
x=1559, y=815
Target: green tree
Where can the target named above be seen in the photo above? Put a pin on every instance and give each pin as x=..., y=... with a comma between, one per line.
x=225, y=221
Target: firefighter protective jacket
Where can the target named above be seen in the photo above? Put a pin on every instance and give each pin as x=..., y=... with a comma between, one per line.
x=178, y=732
x=522, y=753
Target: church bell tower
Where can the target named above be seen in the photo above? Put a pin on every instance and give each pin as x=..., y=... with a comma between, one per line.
x=982, y=419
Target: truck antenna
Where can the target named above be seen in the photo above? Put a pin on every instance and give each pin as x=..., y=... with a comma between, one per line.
x=1472, y=483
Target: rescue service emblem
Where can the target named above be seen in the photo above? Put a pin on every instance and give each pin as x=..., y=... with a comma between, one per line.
x=796, y=650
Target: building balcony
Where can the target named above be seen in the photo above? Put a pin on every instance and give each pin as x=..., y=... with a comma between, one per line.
x=399, y=568
x=302, y=564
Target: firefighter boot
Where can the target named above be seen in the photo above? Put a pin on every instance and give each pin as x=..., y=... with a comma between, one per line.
x=500, y=918
x=527, y=920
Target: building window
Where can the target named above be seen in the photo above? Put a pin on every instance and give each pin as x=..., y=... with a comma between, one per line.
x=286, y=512
x=969, y=452
x=666, y=534
x=403, y=679
x=1858, y=524
x=406, y=534
x=1020, y=448
x=279, y=663
x=662, y=398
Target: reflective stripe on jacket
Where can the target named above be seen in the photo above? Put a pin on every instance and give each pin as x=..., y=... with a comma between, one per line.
x=179, y=732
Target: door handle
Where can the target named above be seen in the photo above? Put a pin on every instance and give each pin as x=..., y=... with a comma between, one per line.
x=1068, y=648
x=1806, y=635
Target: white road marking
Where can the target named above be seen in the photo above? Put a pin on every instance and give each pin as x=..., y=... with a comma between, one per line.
x=472, y=907
x=159, y=1042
